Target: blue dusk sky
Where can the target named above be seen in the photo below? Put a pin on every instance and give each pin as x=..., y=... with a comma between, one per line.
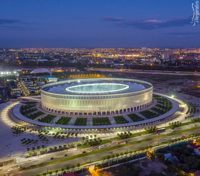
x=98, y=23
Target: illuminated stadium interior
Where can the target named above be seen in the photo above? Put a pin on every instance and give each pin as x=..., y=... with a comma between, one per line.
x=97, y=88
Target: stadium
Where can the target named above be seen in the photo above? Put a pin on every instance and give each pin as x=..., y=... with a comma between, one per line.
x=96, y=97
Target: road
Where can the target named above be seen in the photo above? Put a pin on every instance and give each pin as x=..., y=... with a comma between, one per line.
x=153, y=72
x=133, y=144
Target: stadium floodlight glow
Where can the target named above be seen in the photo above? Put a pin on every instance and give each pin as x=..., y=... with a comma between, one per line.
x=97, y=88
x=172, y=96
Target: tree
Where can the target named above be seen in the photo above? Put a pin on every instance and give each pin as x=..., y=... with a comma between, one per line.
x=152, y=129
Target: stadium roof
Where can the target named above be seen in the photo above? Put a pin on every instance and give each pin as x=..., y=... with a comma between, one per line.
x=40, y=70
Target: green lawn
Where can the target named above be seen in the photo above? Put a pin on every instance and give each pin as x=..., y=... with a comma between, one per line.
x=35, y=115
x=81, y=122
x=120, y=120
x=149, y=114
x=101, y=121
x=63, y=121
x=47, y=119
x=135, y=117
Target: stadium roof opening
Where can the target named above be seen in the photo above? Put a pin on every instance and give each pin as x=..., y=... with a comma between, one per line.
x=97, y=88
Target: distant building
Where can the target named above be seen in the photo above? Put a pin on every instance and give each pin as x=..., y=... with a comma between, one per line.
x=4, y=94
x=41, y=71
x=51, y=79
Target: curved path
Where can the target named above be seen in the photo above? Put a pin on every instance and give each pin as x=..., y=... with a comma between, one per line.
x=170, y=115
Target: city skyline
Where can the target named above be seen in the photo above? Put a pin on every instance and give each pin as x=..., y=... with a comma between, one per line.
x=103, y=24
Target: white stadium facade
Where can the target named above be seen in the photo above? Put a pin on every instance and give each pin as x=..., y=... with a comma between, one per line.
x=96, y=97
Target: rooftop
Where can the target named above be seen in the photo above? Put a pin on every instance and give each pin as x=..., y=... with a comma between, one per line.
x=96, y=86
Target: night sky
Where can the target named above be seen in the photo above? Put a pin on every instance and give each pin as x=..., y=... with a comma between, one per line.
x=97, y=23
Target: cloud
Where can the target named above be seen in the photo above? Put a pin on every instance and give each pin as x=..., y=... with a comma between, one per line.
x=149, y=24
x=11, y=23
